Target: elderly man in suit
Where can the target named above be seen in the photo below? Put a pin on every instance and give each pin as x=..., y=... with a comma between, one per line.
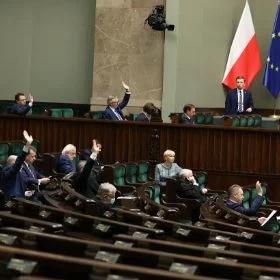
x=239, y=100
x=21, y=107
x=65, y=162
x=188, y=114
x=114, y=109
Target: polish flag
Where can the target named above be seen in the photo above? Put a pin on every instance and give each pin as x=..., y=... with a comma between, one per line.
x=244, y=56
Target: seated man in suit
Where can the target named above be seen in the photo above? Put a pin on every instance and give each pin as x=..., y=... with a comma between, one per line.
x=87, y=181
x=239, y=100
x=11, y=180
x=114, y=108
x=20, y=107
x=188, y=114
x=148, y=110
x=65, y=162
x=30, y=176
x=188, y=187
x=236, y=196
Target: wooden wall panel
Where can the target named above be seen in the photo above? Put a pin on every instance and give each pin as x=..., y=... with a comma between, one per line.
x=230, y=155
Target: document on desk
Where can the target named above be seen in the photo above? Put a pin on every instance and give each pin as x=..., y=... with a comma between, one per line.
x=269, y=217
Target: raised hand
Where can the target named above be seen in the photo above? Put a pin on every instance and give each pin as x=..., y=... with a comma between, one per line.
x=96, y=148
x=27, y=137
x=125, y=86
x=31, y=99
x=259, y=188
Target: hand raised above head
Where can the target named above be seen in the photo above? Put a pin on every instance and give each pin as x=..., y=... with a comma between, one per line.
x=259, y=188
x=31, y=99
x=96, y=148
x=125, y=86
x=27, y=137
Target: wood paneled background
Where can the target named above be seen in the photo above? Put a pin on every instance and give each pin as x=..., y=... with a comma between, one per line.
x=229, y=155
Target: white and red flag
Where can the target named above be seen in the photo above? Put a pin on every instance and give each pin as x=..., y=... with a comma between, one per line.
x=244, y=56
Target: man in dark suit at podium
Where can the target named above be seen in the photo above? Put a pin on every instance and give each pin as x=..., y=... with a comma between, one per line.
x=239, y=100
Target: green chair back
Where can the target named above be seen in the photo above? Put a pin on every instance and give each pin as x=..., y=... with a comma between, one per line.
x=4, y=151
x=119, y=175
x=243, y=121
x=15, y=148
x=251, y=121
x=235, y=121
x=246, y=200
x=258, y=120
x=131, y=173
x=202, y=178
x=67, y=113
x=96, y=115
x=155, y=193
x=133, y=116
x=200, y=118
x=209, y=119
x=143, y=172
x=56, y=113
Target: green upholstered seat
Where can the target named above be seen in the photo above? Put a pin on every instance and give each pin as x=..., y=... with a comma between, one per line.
x=202, y=178
x=133, y=116
x=247, y=199
x=131, y=173
x=155, y=193
x=56, y=113
x=119, y=175
x=200, y=118
x=4, y=151
x=143, y=172
x=96, y=115
x=209, y=119
x=251, y=121
x=67, y=113
x=243, y=121
x=258, y=120
x=235, y=121
x=15, y=148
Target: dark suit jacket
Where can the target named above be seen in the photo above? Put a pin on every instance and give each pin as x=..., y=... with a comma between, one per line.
x=19, y=109
x=231, y=104
x=87, y=181
x=11, y=179
x=142, y=118
x=108, y=114
x=252, y=211
x=65, y=165
x=186, y=120
x=187, y=189
x=29, y=177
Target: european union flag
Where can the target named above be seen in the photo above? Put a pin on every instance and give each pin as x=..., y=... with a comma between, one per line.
x=271, y=79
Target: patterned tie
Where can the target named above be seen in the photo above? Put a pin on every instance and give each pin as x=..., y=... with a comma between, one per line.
x=240, y=103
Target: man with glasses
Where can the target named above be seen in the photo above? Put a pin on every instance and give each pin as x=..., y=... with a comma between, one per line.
x=114, y=109
x=21, y=107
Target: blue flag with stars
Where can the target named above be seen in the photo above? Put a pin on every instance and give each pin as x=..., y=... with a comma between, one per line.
x=271, y=79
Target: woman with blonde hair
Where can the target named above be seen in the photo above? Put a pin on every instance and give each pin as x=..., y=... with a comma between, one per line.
x=167, y=169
